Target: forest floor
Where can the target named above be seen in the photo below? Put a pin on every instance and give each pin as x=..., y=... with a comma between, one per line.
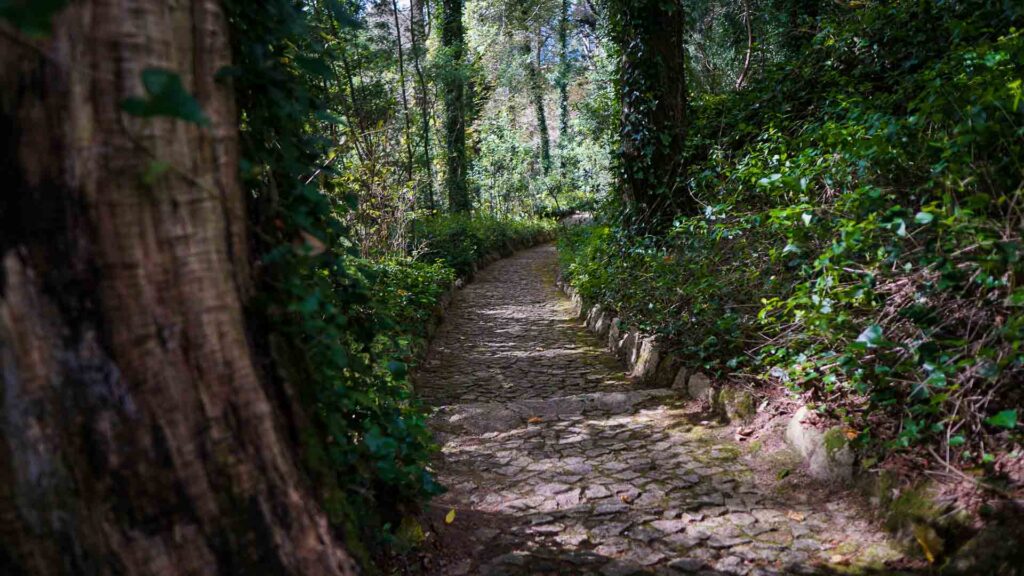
x=556, y=463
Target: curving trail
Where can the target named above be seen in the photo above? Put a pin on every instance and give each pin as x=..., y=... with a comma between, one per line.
x=557, y=464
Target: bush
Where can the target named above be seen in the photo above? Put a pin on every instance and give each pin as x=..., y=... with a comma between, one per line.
x=861, y=232
x=460, y=240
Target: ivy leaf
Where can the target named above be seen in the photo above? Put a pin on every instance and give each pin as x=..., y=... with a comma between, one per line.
x=1016, y=298
x=1005, y=419
x=871, y=336
x=165, y=96
x=397, y=369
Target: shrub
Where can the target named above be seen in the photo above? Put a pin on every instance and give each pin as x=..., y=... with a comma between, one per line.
x=861, y=231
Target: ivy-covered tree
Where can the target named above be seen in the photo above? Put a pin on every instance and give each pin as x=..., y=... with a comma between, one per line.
x=453, y=77
x=649, y=35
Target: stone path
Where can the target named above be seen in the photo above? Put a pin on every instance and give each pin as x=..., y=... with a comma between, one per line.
x=556, y=464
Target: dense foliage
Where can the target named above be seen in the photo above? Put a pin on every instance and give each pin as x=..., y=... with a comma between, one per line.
x=859, y=235
x=349, y=273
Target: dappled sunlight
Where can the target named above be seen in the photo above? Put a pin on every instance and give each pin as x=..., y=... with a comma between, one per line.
x=544, y=434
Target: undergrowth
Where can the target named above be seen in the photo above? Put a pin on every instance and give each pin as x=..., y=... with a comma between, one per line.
x=860, y=234
x=340, y=327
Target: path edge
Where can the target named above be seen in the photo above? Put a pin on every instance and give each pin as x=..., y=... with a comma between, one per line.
x=920, y=524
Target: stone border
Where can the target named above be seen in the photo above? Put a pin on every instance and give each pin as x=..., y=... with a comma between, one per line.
x=827, y=455
x=911, y=515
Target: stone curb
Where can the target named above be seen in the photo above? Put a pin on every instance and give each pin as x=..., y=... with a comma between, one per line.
x=827, y=455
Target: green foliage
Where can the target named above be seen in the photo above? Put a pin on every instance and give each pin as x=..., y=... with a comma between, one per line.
x=335, y=332
x=460, y=241
x=165, y=96
x=860, y=232
x=406, y=293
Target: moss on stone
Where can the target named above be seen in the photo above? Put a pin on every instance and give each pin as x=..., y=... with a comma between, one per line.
x=835, y=440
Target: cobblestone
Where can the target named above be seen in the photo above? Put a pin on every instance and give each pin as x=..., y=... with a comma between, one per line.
x=539, y=425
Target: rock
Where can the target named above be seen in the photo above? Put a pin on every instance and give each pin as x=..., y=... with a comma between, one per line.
x=592, y=315
x=669, y=526
x=622, y=568
x=827, y=454
x=647, y=357
x=738, y=404
x=687, y=564
x=602, y=324
x=632, y=350
x=668, y=368
x=626, y=345
x=577, y=304
x=614, y=336
x=698, y=386
x=679, y=381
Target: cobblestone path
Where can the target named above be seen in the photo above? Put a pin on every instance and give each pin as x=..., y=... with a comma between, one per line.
x=556, y=464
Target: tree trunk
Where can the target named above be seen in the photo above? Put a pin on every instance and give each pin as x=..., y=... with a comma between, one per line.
x=401, y=80
x=537, y=95
x=418, y=36
x=453, y=42
x=652, y=90
x=137, y=434
x=563, y=88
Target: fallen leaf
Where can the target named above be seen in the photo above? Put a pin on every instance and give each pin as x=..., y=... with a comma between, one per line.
x=851, y=434
x=795, y=516
x=535, y=420
x=627, y=498
x=838, y=559
x=450, y=517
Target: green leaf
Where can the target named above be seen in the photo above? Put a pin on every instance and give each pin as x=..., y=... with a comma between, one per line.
x=1005, y=419
x=924, y=218
x=397, y=369
x=871, y=336
x=165, y=96
x=1016, y=298
x=957, y=440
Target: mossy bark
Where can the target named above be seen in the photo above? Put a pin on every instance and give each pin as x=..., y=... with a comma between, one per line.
x=138, y=435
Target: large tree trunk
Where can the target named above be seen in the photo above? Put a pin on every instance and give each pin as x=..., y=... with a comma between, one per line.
x=652, y=90
x=137, y=436
x=454, y=78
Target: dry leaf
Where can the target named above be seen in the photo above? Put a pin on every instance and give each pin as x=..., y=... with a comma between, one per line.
x=795, y=516
x=535, y=420
x=627, y=498
x=851, y=434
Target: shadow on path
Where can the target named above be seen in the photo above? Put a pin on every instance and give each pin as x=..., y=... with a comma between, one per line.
x=556, y=464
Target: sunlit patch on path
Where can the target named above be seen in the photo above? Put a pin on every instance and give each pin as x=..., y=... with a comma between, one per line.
x=561, y=466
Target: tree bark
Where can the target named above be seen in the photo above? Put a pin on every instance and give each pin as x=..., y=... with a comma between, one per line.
x=401, y=80
x=418, y=36
x=453, y=42
x=137, y=434
x=563, y=88
x=652, y=91
x=537, y=95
